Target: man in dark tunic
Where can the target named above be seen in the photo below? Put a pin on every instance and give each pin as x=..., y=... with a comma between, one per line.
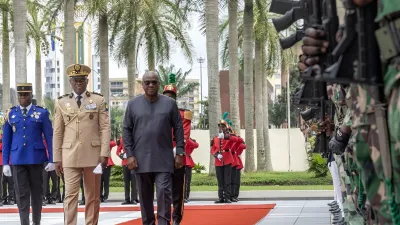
x=147, y=137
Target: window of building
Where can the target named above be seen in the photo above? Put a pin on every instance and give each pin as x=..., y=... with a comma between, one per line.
x=116, y=84
x=58, y=63
x=52, y=70
x=277, y=86
x=58, y=70
x=117, y=91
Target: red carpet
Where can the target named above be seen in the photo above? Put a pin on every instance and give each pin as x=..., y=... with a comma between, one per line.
x=220, y=214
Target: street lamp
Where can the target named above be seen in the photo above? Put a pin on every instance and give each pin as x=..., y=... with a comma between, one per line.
x=200, y=60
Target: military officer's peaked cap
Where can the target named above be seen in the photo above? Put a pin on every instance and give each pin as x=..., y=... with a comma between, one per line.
x=77, y=70
x=25, y=87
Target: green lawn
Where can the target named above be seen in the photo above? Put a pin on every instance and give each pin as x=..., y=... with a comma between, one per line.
x=251, y=188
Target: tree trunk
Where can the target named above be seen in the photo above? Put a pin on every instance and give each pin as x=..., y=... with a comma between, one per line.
x=104, y=63
x=151, y=57
x=20, y=19
x=131, y=73
x=212, y=41
x=69, y=46
x=267, y=147
x=248, y=84
x=38, y=74
x=259, y=107
x=234, y=66
x=6, y=61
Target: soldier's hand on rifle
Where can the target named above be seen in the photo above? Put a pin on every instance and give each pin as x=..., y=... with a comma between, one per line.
x=313, y=46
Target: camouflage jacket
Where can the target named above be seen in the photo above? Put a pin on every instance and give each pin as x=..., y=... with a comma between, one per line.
x=339, y=101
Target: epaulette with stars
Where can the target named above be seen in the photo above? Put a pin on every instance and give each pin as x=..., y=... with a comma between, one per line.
x=97, y=94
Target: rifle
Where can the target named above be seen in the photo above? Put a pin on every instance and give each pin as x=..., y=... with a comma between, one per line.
x=293, y=11
x=326, y=17
x=314, y=94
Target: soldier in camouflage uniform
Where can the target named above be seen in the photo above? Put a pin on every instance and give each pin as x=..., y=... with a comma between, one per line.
x=338, y=99
x=368, y=144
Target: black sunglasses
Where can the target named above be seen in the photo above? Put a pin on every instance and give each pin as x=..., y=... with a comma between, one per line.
x=148, y=82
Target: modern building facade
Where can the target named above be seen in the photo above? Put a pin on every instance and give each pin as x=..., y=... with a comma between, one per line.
x=191, y=100
x=52, y=74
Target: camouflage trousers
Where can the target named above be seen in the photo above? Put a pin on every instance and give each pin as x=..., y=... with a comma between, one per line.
x=367, y=156
x=392, y=92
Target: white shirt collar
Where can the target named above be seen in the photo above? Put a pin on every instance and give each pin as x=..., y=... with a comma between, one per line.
x=27, y=108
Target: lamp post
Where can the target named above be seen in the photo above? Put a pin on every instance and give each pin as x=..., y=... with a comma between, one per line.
x=200, y=60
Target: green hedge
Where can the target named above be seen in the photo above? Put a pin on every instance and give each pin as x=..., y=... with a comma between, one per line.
x=247, y=179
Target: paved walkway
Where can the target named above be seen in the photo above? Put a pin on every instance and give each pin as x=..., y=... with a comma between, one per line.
x=304, y=212
x=298, y=213
x=272, y=195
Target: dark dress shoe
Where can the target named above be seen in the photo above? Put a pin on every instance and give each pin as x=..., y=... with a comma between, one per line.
x=50, y=201
x=227, y=200
x=221, y=200
x=186, y=201
x=82, y=203
x=332, y=203
x=1, y=203
x=11, y=202
x=137, y=200
x=105, y=200
x=134, y=202
x=126, y=203
x=43, y=203
x=233, y=200
x=176, y=223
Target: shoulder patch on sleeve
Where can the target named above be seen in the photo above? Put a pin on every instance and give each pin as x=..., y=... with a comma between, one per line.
x=188, y=115
x=97, y=94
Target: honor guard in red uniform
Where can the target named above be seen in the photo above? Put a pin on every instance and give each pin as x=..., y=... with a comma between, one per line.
x=130, y=187
x=178, y=179
x=191, y=145
x=221, y=150
x=235, y=162
x=241, y=147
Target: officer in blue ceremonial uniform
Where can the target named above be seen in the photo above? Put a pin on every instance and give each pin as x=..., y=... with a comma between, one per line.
x=24, y=150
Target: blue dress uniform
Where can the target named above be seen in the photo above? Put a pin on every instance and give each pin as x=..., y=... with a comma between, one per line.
x=24, y=150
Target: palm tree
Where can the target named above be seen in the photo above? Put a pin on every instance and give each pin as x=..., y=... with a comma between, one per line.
x=37, y=32
x=99, y=8
x=54, y=8
x=182, y=86
x=6, y=9
x=20, y=40
x=248, y=83
x=234, y=64
x=151, y=25
x=214, y=111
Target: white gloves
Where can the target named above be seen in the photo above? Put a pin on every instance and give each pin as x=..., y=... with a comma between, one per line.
x=221, y=135
x=7, y=170
x=98, y=169
x=50, y=167
x=219, y=157
x=174, y=152
x=124, y=156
